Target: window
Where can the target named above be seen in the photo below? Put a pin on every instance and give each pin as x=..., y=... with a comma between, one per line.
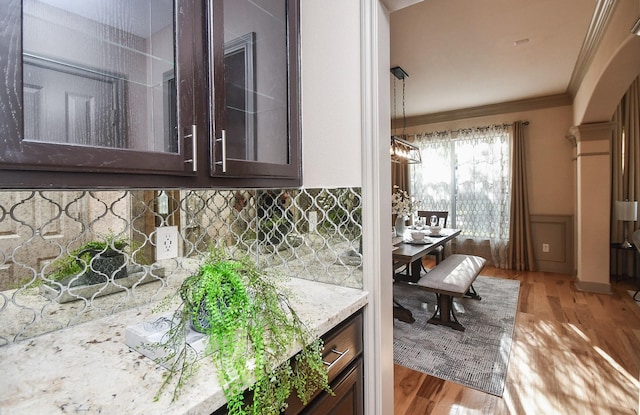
x=468, y=173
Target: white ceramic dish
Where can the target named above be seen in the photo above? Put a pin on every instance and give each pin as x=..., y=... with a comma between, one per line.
x=418, y=235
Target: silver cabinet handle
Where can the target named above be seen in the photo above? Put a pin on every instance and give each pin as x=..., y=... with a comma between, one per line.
x=223, y=144
x=194, y=147
x=340, y=356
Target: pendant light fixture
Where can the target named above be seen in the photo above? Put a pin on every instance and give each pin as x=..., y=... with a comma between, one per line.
x=401, y=150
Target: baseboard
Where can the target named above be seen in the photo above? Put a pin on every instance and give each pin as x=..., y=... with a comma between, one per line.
x=594, y=287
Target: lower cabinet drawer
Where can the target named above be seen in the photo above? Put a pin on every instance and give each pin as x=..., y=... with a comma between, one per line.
x=342, y=346
x=342, y=352
x=348, y=397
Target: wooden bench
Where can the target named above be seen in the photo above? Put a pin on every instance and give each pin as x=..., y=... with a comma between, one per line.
x=453, y=277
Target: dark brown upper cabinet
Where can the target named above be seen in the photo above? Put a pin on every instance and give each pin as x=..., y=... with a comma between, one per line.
x=255, y=88
x=152, y=93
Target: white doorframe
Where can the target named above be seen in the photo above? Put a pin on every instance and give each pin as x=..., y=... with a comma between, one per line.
x=376, y=193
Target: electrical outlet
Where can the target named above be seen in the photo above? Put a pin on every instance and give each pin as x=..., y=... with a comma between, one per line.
x=545, y=247
x=166, y=242
x=313, y=221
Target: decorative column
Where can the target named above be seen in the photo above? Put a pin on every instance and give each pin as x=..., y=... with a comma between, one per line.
x=593, y=205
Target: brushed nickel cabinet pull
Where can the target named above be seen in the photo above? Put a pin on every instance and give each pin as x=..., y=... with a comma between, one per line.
x=223, y=144
x=340, y=356
x=194, y=147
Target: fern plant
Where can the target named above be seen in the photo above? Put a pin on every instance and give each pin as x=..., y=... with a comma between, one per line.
x=246, y=317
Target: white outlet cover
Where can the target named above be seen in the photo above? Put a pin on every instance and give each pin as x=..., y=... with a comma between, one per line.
x=166, y=242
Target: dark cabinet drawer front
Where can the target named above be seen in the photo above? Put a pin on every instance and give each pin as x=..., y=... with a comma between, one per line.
x=348, y=398
x=342, y=345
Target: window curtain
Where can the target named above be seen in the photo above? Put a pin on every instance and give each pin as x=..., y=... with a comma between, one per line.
x=625, y=163
x=521, y=256
x=400, y=177
x=400, y=180
x=468, y=173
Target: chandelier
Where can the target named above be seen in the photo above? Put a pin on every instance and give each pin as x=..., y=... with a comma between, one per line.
x=401, y=150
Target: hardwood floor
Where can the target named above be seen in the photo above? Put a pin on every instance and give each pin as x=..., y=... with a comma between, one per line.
x=573, y=353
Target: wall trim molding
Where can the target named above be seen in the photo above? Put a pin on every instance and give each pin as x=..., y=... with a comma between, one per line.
x=592, y=132
x=558, y=232
x=520, y=105
x=590, y=154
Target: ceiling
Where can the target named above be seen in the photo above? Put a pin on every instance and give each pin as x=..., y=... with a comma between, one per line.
x=142, y=18
x=462, y=54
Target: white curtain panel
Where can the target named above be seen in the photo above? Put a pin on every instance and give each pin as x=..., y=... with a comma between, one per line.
x=467, y=172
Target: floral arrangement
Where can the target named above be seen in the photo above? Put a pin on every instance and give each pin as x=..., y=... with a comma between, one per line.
x=402, y=204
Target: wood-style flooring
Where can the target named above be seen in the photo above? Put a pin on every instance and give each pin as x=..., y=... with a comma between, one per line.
x=573, y=352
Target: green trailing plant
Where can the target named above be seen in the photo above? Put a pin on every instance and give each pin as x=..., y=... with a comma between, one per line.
x=247, y=317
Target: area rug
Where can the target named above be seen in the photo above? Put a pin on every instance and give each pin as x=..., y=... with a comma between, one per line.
x=476, y=358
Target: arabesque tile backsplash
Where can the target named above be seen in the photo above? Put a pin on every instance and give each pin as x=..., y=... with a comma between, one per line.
x=307, y=233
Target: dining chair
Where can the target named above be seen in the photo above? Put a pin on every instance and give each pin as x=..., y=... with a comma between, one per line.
x=442, y=216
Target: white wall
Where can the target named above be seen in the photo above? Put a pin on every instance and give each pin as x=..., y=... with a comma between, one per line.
x=331, y=93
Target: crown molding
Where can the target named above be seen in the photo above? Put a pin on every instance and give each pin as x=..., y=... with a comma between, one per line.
x=521, y=105
x=599, y=22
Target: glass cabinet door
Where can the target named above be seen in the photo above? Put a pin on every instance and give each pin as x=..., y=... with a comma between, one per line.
x=98, y=88
x=255, y=88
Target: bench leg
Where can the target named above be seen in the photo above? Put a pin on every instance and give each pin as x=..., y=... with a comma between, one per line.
x=472, y=293
x=445, y=315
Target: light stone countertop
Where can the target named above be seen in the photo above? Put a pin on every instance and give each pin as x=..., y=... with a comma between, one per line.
x=88, y=368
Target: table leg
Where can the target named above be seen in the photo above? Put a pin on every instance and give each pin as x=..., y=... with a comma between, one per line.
x=416, y=269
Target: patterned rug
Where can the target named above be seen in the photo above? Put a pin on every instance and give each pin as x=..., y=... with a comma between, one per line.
x=476, y=358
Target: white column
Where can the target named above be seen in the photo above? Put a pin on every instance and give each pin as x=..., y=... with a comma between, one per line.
x=593, y=205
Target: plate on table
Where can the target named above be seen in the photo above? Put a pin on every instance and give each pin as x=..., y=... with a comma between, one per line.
x=440, y=235
x=425, y=241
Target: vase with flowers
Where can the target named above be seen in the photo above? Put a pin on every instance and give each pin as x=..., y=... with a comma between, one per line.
x=403, y=206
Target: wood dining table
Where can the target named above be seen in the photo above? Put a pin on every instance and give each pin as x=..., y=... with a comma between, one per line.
x=408, y=252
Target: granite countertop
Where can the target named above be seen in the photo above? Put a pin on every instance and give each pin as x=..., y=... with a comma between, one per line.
x=89, y=369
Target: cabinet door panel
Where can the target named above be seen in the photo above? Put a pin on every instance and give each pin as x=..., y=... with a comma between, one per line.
x=255, y=88
x=92, y=86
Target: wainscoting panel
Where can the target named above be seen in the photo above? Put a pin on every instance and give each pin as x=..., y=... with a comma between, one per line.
x=557, y=232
